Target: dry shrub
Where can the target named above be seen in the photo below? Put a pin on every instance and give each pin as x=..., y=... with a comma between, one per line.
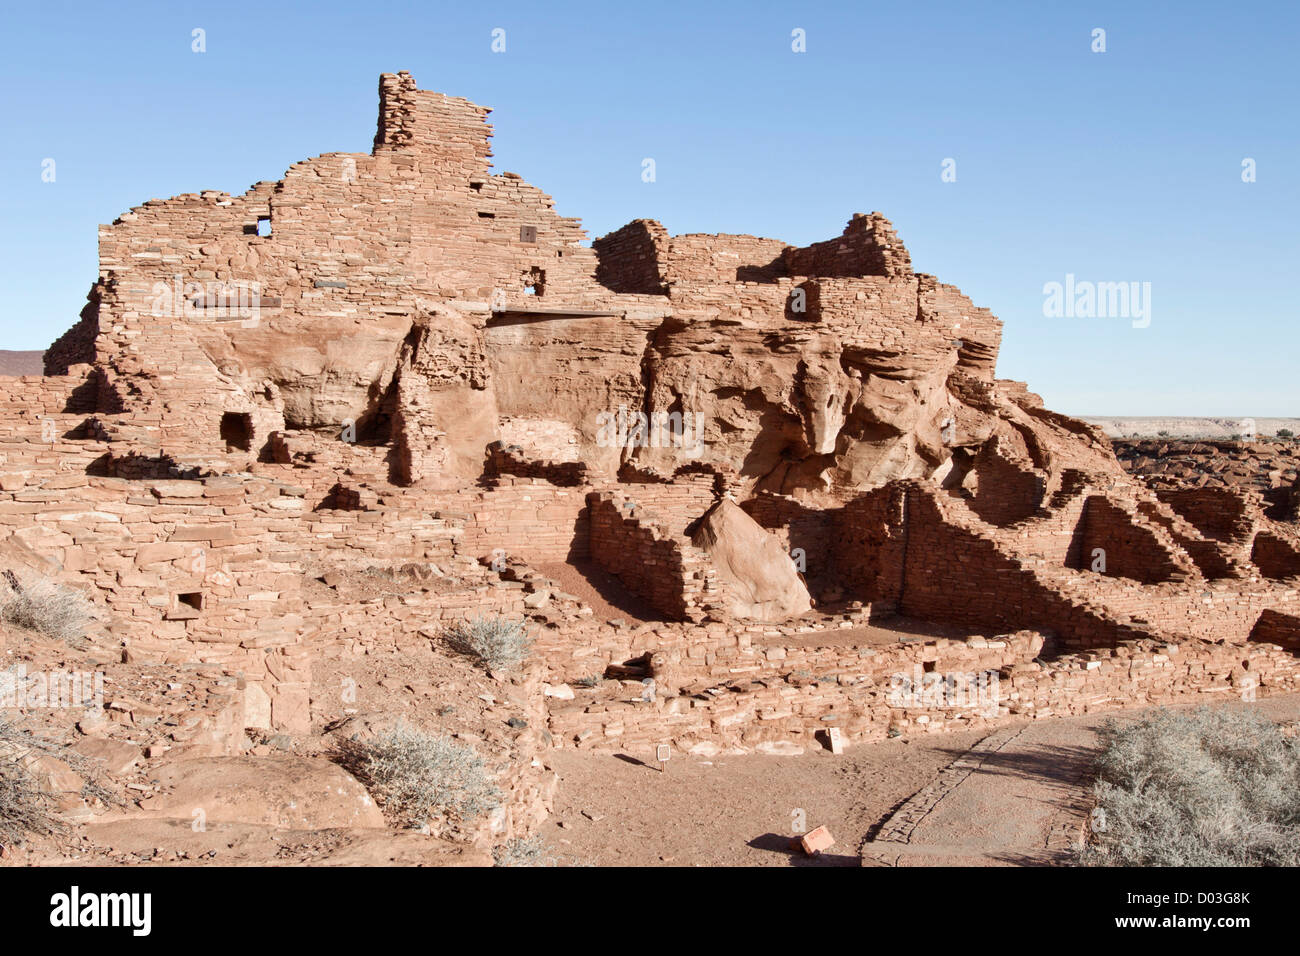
x=37, y=603
x=1213, y=787
x=523, y=851
x=24, y=808
x=420, y=776
x=496, y=641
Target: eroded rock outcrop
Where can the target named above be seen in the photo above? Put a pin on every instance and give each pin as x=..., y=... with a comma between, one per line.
x=413, y=298
x=289, y=793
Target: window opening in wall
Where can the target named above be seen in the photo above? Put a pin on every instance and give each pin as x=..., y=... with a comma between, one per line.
x=527, y=233
x=264, y=226
x=535, y=281
x=487, y=215
x=188, y=607
x=237, y=431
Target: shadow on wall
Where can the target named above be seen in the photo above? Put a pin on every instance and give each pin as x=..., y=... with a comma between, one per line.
x=1274, y=627
x=612, y=592
x=1275, y=557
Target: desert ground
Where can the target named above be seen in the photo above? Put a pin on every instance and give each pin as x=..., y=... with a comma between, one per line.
x=1018, y=797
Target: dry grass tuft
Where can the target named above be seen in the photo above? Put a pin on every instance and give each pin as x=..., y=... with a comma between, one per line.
x=1214, y=787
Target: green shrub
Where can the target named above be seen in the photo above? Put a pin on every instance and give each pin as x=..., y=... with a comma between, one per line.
x=1214, y=787
x=496, y=641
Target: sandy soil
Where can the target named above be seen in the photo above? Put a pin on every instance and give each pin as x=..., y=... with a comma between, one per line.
x=608, y=597
x=888, y=631
x=612, y=810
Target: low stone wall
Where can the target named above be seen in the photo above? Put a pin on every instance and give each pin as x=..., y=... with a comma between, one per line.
x=41, y=395
x=775, y=698
x=409, y=623
x=507, y=460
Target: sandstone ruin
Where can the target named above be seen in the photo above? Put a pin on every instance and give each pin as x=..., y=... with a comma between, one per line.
x=318, y=422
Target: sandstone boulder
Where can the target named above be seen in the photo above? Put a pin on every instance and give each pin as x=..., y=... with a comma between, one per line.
x=761, y=579
x=115, y=756
x=287, y=792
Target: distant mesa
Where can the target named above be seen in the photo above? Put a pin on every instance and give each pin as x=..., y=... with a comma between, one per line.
x=21, y=363
x=1221, y=428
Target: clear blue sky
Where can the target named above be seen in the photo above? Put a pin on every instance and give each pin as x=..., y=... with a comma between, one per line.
x=1115, y=166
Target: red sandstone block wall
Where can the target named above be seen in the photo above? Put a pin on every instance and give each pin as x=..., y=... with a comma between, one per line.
x=1217, y=512
x=632, y=542
x=630, y=258
x=1129, y=550
x=527, y=517
x=703, y=259
x=856, y=549
x=869, y=246
x=678, y=504
x=1275, y=556
x=1008, y=490
x=954, y=574
x=778, y=695
x=34, y=396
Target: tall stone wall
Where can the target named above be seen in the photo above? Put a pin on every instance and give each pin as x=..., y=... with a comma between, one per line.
x=629, y=258
x=665, y=569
